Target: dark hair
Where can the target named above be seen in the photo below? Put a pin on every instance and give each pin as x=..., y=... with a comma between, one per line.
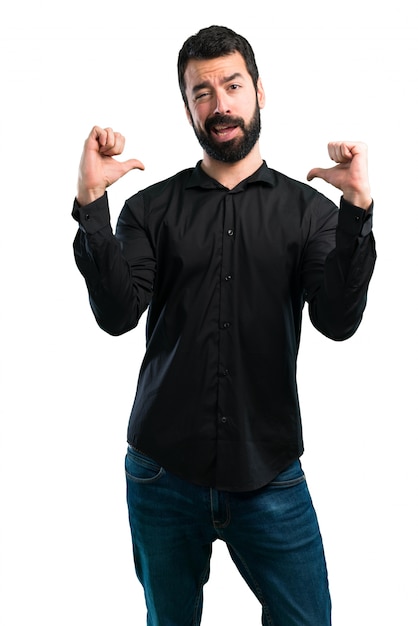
x=213, y=42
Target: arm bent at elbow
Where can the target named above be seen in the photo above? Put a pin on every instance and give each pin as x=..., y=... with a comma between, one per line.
x=337, y=308
x=119, y=290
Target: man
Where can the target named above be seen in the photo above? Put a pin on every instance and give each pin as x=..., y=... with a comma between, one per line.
x=224, y=255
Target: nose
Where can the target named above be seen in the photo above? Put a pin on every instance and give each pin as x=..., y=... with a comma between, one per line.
x=222, y=106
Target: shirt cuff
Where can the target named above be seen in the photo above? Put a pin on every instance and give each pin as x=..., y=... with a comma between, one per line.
x=94, y=216
x=355, y=221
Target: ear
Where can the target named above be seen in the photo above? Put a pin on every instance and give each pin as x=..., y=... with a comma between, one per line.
x=261, y=96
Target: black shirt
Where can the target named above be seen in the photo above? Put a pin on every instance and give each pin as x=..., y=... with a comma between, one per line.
x=225, y=274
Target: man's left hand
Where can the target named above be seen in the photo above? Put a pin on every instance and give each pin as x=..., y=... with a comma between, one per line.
x=350, y=175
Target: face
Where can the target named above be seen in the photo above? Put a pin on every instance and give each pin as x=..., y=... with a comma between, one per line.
x=223, y=106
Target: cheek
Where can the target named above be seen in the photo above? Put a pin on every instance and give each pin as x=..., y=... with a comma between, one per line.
x=197, y=118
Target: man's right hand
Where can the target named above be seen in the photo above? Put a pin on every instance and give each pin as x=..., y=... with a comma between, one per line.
x=98, y=169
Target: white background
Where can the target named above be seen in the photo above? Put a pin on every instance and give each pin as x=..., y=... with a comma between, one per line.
x=331, y=70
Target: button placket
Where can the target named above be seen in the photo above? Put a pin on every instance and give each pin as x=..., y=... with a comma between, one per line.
x=226, y=320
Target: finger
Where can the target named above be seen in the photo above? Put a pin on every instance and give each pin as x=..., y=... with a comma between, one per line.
x=111, y=143
x=101, y=135
x=316, y=172
x=96, y=138
x=110, y=136
x=132, y=164
x=332, y=151
x=335, y=151
x=341, y=151
x=327, y=174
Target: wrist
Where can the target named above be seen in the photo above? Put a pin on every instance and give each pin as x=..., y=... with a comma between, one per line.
x=87, y=196
x=363, y=199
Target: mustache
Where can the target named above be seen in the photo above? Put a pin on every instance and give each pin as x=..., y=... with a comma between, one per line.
x=224, y=120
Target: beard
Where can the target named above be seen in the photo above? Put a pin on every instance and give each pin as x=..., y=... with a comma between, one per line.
x=236, y=149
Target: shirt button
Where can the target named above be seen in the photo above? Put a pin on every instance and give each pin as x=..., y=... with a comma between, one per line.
x=224, y=419
x=226, y=325
x=228, y=277
x=230, y=232
x=87, y=217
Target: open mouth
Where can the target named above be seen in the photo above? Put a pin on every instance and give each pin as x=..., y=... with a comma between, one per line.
x=224, y=132
x=224, y=128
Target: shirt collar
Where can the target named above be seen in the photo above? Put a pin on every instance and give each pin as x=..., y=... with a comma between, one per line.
x=199, y=178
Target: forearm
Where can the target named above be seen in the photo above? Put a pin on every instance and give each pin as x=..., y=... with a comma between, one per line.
x=118, y=293
x=338, y=305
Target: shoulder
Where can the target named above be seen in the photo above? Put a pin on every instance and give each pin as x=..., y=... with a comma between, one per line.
x=169, y=185
x=293, y=187
x=137, y=208
x=297, y=195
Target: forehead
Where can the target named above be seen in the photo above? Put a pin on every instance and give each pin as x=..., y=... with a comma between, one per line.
x=213, y=70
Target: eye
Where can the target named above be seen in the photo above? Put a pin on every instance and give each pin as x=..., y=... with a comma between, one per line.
x=202, y=95
x=234, y=86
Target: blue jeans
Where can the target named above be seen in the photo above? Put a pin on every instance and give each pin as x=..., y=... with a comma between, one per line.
x=272, y=535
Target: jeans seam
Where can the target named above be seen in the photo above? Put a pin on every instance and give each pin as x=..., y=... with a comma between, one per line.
x=198, y=602
x=227, y=521
x=285, y=484
x=257, y=588
x=140, y=459
x=142, y=481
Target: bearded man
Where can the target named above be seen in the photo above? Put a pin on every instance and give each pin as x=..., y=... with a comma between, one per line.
x=224, y=256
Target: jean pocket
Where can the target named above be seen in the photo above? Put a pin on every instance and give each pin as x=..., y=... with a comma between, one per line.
x=140, y=468
x=290, y=477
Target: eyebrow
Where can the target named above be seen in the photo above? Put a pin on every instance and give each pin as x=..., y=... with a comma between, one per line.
x=226, y=79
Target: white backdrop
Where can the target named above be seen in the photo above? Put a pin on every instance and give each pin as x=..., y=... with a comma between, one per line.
x=330, y=71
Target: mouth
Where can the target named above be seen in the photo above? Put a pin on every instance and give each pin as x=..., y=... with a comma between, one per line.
x=224, y=132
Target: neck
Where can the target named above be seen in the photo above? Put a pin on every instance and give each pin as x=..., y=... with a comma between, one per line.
x=231, y=174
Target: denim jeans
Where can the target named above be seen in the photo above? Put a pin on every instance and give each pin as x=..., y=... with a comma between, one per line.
x=272, y=535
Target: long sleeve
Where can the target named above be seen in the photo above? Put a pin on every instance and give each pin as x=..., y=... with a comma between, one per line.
x=119, y=290
x=228, y=272
x=338, y=300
